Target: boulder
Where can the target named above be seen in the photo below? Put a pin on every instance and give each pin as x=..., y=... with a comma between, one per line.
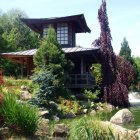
x=55, y=118
x=93, y=112
x=43, y=113
x=4, y=132
x=43, y=128
x=99, y=108
x=60, y=130
x=23, y=88
x=137, y=132
x=85, y=111
x=109, y=107
x=71, y=114
x=119, y=131
x=53, y=104
x=122, y=116
x=25, y=96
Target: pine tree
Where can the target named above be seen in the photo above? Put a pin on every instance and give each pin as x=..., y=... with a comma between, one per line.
x=125, y=51
x=50, y=58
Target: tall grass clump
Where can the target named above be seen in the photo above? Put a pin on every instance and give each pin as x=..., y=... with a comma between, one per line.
x=20, y=117
x=89, y=129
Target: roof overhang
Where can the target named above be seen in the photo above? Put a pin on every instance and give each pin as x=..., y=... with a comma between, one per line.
x=72, y=52
x=78, y=21
x=67, y=51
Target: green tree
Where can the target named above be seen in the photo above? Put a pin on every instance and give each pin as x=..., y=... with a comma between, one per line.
x=17, y=36
x=2, y=41
x=16, y=33
x=125, y=51
x=51, y=58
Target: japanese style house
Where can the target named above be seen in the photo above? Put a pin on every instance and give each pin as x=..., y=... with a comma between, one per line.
x=66, y=29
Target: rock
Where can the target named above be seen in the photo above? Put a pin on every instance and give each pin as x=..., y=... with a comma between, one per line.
x=43, y=113
x=23, y=88
x=60, y=130
x=43, y=128
x=53, y=104
x=109, y=107
x=56, y=119
x=70, y=115
x=137, y=132
x=85, y=111
x=25, y=96
x=122, y=116
x=4, y=132
x=99, y=108
x=117, y=130
x=93, y=112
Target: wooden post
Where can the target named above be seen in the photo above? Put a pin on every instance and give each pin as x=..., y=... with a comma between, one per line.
x=82, y=66
x=28, y=67
x=22, y=67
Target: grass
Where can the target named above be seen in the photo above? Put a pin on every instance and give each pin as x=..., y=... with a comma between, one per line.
x=20, y=117
x=89, y=128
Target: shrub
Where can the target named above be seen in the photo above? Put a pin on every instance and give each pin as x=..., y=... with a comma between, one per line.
x=92, y=95
x=21, y=118
x=70, y=106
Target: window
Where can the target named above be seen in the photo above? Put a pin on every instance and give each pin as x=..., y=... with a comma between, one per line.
x=62, y=33
x=45, y=30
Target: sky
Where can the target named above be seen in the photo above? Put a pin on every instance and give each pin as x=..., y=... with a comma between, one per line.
x=123, y=15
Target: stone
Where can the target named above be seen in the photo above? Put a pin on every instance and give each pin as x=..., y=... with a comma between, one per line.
x=43, y=113
x=23, y=88
x=4, y=132
x=99, y=108
x=117, y=130
x=85, y=111
x=137, y=132
x=70, y=115
x=109, y=107
x=93, y=112
x=122, y=116
x=43, y=128
x=53, y=104
x=56, y=119
x=60, y=130
x=25, y=96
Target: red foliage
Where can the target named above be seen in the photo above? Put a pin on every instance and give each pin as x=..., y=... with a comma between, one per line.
x=117, y=73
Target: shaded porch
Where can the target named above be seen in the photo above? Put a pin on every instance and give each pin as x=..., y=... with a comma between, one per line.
x=81, y=81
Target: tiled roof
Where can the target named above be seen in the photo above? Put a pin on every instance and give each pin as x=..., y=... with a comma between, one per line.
x=33, y=51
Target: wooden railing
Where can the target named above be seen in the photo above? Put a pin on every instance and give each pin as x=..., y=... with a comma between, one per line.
x=81, y=81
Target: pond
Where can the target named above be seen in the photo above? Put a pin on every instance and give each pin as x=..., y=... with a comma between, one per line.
x=136, y=112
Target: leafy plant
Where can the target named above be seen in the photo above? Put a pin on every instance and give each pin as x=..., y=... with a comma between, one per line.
x=97, y=72
x=92, y=95
x=67, y=106
x=20, y=117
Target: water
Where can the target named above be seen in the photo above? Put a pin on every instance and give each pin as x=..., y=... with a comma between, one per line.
x=136, y=113
x=134, y=99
